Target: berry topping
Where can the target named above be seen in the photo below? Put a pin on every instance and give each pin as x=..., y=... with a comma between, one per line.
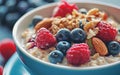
x=55, y=56
x=63, y=35
x=64, y=8
x=106, y=31
x=36, y=19
x=63, y=46
x=83, y=11
x=1, y=70
x=44, y=39
x=113, y=48
x=78, y=35
x=81, y=24
x=7, y=48
x=78, y=54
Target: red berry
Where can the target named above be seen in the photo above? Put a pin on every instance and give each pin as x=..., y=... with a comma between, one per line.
x=106, y=31
x=1, y=70
x=64, y=8
x=44, y=39
x=7, y=48
x=78, y=54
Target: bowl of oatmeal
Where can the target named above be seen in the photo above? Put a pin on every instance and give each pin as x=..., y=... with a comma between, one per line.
x=70, y=38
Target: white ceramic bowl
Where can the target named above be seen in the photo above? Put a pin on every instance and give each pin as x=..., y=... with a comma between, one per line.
x=45, y=68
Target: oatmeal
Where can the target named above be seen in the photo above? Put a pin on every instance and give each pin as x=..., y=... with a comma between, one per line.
x=74, y=37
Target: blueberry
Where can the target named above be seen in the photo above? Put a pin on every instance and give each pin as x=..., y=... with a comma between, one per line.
x=113, y=48
x=11, y=4
x=37, y=19
x=2, y=2
x=63, y=35
x=55, y=56
x=34, y=3
x=83, y=11
x=63, y=46
x=78, y=35
x=29, y=9
x=22, y=7
x=11, y=18
x=81, y=24
x=49, y=1
x=3, y=12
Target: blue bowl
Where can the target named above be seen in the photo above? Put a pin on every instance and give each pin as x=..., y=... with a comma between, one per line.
x=44, y=68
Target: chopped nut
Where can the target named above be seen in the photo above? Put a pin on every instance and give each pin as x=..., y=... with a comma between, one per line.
x=93, y=11
x=90, y=25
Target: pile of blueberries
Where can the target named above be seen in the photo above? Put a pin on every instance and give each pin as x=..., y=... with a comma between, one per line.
x=12, y=10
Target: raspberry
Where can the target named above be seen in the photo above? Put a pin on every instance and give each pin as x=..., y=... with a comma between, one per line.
x=106, y=31
x=78, y=54
x=7, y=48
x=44, y=39
x=64, y=8
x=1, y=70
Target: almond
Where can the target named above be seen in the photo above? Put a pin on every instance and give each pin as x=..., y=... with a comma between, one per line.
x=47, y=23
x=99, y=46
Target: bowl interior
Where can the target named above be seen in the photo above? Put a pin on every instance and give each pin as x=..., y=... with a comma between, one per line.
x=46, y=11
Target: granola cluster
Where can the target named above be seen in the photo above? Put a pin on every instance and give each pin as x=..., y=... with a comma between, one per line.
x=71, y=21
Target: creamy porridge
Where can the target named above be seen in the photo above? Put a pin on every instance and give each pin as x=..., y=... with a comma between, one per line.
x=77, y=37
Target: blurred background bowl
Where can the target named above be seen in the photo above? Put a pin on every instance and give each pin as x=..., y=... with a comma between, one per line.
x=45, y=68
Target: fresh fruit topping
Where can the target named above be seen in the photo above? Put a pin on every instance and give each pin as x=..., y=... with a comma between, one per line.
x=78, y=35
x=55, y=56
x=44, y=39
x=36, y=19
x=46, y=23
x=113, y=48
x=63, y=9
x=7, y=48
x=106, y=31
x=78, y=54
x=83, y=11
x=99, y=46
x=1, y=70
x=81, y=25
x=63, y=46
x=63, y=35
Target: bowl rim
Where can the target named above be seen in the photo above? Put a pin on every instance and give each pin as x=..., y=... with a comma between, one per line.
x=50, y=64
